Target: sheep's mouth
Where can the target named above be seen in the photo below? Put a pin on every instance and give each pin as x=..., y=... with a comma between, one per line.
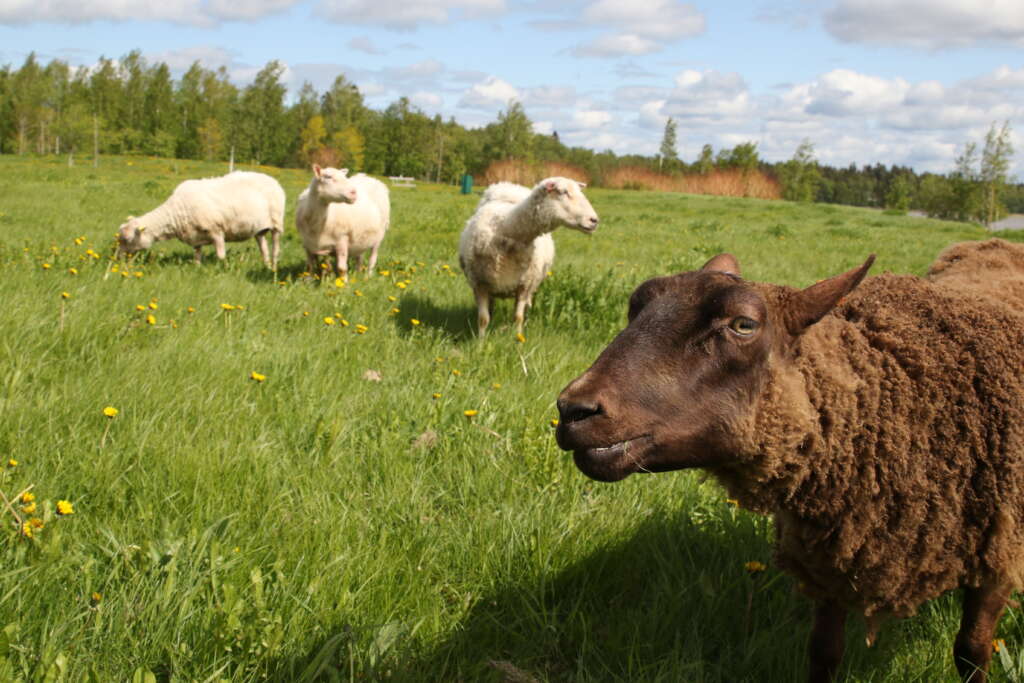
x=614, y=462
x=587, y=229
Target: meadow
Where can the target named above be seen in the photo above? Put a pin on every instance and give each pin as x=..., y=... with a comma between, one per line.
x=337, y=515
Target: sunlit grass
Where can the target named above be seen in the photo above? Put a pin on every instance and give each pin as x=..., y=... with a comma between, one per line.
x=277, y=477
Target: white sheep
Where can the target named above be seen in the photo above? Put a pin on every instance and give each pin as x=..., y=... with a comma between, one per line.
x=506, y=247
x=231, y=208
x=342, y=215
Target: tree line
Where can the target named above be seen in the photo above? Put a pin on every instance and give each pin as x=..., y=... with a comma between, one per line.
x=133, y=106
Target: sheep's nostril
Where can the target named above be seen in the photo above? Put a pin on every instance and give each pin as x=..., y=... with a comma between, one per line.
x=575, y=412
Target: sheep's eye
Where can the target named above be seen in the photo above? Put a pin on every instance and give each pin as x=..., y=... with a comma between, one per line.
x=743, y=326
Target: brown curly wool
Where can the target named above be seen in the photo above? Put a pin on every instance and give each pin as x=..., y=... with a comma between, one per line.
x=891, y=447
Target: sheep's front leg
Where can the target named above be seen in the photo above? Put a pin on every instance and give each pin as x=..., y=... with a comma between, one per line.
x=312, y=263
x=261, y=240
x=522, y=301
x=197, y=255
x=341, y=258
x=483, y=311
x=219, y=247
x=826, y=644
x=972, y=651
x=373, y=260
x=276, y=239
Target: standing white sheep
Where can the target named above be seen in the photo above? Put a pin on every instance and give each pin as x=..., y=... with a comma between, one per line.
x=231, y=208
x=506, y=247
x=342, y=215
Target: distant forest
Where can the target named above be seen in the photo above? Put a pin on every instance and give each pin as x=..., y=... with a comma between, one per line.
x=132, y=106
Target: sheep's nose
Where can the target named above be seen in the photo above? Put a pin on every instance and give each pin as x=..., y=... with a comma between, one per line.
x=569, y=411
x=594, y=221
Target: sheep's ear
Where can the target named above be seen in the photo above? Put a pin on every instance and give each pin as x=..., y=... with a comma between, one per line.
x=810, y=305
x=317, y=170
x=581, y=183
x=724, y=263
x=551, y=186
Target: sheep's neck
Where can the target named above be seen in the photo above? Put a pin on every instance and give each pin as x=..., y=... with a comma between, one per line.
x=162, y=222
x=526, y=222
x=793, y=455
x=319, y=205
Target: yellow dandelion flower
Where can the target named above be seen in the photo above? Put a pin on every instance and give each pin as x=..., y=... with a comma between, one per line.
x=139, y=307
x=435, y=395
x=227, y=307
x=400, y=285
x=137, y=273
x=73, y=271
x=29, y=509
x=26, y=530
x=344, y=323
x=153, y=306
x=110, y=411
x=998, y=644
x=46, y=266
x=414, y=321
x=385, y=273
x=438, y=359
x=328, y=320
x=339, y=282
x=125, y=273
x=36, y=523
x=470, y=413
x=357, y=293
x=445, y=266
x=305, y=314
x=496, y=385
x=456, y=372
x=394, y=310
x=257, y=376
x=27, y=497
x=361, y=329
x=95, y=598
x=191, y=309
x=554, y=423
x=64, y=507
x=392, y=298
x=65, y=295
x=520, y=337
x=151, y=319
x=11, y=462
x=754, y=566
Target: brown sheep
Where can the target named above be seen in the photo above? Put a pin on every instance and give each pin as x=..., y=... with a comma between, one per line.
x=883, y=428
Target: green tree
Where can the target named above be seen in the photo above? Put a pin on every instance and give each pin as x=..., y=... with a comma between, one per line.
x=313, y=136
x=342, y=106
x=897, y=197
x=511, y=137
x=995, y=165
x=706, y=161
x=211, y=139
x=261, y=118
x=350, y=147
x=667, y=151
x=800, y=175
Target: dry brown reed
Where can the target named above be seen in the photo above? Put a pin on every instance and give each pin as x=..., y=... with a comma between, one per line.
x=731, y=182
x=527, y=173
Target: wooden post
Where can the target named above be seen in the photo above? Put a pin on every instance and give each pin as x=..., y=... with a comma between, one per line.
x=95, y=141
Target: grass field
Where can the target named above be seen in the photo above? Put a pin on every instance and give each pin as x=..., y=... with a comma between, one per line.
x=321, y=525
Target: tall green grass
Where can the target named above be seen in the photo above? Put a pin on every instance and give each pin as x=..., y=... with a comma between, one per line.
x=322, y=525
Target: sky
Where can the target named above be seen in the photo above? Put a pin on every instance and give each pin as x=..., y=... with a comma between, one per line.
x=904, y=82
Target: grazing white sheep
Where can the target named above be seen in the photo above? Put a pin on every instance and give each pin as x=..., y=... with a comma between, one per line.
x=342, y=215
x=506, y=247
x=231, y=208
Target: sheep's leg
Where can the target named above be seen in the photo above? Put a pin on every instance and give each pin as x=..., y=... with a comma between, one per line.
x=341, y=258
x=218, y=245
x=197, y=255
x=826, y=644
x=483, y=311
x=373, y=260
x=522, y=301
x=972, y=650
x=261, y=240
x=312, y=263
x=276, y=239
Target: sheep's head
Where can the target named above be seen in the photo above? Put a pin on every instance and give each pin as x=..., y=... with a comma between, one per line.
x=334, y=185
x=672, y=389
x=132, y=236
x=566, y=204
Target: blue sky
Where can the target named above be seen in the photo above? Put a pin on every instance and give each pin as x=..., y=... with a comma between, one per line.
x=890, y=81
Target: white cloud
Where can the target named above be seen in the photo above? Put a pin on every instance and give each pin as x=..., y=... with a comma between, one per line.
x=205, y=13
x=428, y=101
x=549, y=96
x=843, y=92
x=489, y=94
x=708, y=95
x=592, y=118
x=543, y=127
x=406, y=15
x=208, y=56
x=929, y=24
x=639, y=28
x=364, y=44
